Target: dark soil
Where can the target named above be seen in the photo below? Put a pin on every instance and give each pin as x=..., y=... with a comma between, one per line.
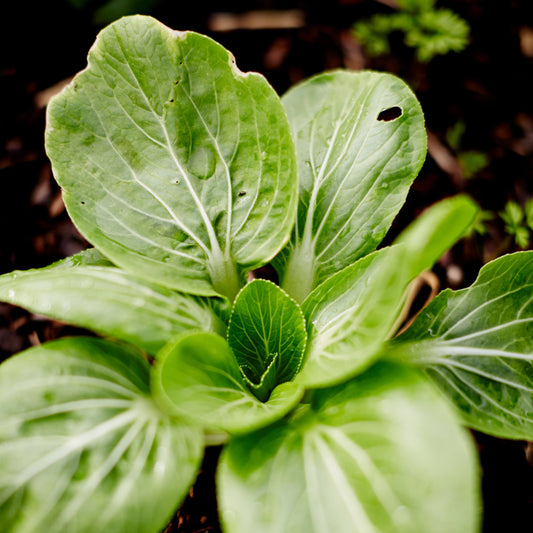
x=488, y=87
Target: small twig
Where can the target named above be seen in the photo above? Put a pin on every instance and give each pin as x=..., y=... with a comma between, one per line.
x=256, y=20
x=445, y=160
x=425, y=278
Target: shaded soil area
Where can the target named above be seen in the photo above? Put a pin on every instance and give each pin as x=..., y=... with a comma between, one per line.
x=485, y=93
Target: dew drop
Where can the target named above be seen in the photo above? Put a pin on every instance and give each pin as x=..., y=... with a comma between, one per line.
x=159, y=468
x=402, y=515
x=11, y=294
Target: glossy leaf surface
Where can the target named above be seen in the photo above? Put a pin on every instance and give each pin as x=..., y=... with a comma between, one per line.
x=477, y=343
x=82, y=445
x=175, y=164
x=349, y=316
x=198, y=377
x=108, y=300
x=361, y=459
x=267, y=335
x=355, y=162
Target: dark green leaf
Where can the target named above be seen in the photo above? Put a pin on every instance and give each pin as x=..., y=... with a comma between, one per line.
x=267, y=335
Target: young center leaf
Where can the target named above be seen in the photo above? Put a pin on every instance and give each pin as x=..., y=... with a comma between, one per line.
x=267, y=335
x=360, y=142
x=197, y=376
x=477, y=344
x=362, y=458
x=174, y=163
x=82, y=291
x=82, y=445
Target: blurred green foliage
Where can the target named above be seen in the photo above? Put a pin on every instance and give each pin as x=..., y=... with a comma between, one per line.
x=430, y=31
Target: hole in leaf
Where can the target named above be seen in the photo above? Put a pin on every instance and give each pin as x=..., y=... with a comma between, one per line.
x=171, y=100
x=82, y=203
x=242, y=193
x=392, y=113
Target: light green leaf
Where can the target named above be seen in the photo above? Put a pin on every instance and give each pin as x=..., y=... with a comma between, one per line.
x=198, y=377
x=267, y=335
x=350, y=315
x=108, y=300
x=477, y=344
x=176, y=165
x=360, y=142
x=361, y=459
x=436, y=230
x=82, y=445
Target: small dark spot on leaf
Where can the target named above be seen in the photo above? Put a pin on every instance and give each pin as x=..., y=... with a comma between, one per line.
x=392, y=113
x=171, y=100
x=177, y=182
x=176, y=82
x=242, y=193
x=82, y=203
x=75, y=86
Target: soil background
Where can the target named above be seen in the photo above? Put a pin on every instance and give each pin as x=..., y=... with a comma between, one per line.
x=488, y=88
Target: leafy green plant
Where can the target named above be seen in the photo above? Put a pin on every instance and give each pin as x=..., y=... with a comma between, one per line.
x=187, y=174
x=471, y=161
x=518, y=221
x=430, y=31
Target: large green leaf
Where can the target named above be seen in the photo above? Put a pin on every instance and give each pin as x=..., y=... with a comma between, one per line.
x=357, y=160
x=381, y=454
x=82, y=445
x=350, y=315
x=175, y=164
x=477, y=344
x=267, y=335
x=198, y=377
x=108, y=300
